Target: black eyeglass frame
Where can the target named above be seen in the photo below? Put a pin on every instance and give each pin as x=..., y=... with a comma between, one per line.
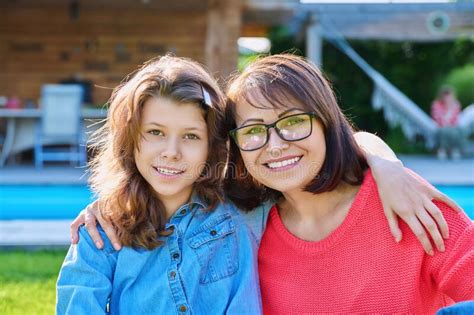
x=233, y=132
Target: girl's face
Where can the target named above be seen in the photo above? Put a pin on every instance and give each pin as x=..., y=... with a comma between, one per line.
x=173, y=148
x=447, y=97
x=282, y=165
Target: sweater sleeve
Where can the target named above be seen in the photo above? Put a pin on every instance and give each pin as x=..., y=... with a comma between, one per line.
x=453, y=270
x=85, y=280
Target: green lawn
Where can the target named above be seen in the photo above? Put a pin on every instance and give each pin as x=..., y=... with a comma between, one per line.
x=28, y=280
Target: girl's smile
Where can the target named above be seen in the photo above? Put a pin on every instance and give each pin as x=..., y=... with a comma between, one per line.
x=167, y=172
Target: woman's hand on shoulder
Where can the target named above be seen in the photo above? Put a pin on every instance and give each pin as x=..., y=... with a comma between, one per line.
x=408, y=196
x=89, y=218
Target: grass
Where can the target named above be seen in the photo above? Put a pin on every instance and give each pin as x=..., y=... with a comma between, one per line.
x=28, y=281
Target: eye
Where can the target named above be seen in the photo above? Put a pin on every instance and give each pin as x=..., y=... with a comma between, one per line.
x=191, y=136
x=293, y=121
x=155, y=132
x=255, y=130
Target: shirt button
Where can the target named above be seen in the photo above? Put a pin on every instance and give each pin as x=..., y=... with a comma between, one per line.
x=172, y=274
x=175, y=255
x=213, y=232
x=183, y=308
x=183, y=212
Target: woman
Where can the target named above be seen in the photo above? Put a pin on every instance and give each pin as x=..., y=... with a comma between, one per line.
x=326, y=237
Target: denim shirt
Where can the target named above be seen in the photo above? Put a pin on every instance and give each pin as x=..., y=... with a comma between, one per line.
x=257, y=218
x=208, y=265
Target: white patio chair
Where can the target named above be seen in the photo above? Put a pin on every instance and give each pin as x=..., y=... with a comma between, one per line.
x=60, y=124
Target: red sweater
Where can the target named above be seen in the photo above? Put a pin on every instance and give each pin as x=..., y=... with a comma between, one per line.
x=360, y=268
x=445, y=115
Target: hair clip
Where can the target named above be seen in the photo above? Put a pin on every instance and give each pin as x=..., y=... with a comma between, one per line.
x=206, y=97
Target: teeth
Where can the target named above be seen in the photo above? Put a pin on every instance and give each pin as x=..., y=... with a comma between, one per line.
x=167, y=172
x=283, y=163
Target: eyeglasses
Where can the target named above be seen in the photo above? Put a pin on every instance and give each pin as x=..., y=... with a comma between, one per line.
x=289, y=128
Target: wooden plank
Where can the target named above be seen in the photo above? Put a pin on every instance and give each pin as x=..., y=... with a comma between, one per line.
x=254, y=30
x=41, y=45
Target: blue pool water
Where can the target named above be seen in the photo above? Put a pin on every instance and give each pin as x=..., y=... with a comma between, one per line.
x=49, y=202
x=34, y=202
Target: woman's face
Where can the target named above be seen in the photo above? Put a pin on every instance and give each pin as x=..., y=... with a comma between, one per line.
x=282, y=165
x=173, y=148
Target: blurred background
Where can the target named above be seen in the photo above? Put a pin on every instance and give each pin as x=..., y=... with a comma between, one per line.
x=401, y=69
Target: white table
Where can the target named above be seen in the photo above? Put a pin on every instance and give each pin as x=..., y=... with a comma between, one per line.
x=21, y=124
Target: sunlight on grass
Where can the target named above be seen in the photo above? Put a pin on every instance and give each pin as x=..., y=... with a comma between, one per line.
x=28, y=280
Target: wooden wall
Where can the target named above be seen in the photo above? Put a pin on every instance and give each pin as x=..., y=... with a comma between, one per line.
x=44, y=44
x=223, y=31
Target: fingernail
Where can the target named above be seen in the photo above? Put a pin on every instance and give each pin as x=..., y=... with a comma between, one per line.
x=117, y=246
x=430, y=252
x=446, y=236
x=98, y=244
x=397, y=239
x=441, y=248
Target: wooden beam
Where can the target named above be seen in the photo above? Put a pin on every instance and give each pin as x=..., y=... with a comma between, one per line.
x=254, y=30
x=223, y=31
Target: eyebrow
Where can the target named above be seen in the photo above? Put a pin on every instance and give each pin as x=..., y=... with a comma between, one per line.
x=251, y=120
x=261, y=120
x=287, y=111
x=163, y=126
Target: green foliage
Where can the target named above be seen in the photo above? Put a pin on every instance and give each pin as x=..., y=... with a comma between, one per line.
x=397, y=141
x=283, y=41
x=28, y=281
x=417, y=69
x=462, y=80
x=245, y=60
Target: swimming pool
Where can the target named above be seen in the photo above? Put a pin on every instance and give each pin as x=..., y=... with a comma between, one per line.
x=42, y=202
x=59, y=202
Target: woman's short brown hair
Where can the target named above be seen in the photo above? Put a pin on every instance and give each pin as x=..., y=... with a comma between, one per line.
x=124, y=195
x=280, y=80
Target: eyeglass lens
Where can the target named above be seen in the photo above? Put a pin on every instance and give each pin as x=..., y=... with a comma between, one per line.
x=291, y=128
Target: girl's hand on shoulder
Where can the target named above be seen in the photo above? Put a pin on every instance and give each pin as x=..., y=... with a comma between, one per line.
x=408, y=196
x=89, y=217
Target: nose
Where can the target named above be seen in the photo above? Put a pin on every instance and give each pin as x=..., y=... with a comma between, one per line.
x=275, y=144
x=171, y=150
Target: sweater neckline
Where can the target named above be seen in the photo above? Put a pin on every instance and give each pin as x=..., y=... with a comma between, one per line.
x=314, y=247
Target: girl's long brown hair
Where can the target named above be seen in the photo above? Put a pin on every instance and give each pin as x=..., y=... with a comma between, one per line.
x=125, y=198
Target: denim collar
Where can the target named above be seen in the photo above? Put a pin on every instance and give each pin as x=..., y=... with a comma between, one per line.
x=195, y=203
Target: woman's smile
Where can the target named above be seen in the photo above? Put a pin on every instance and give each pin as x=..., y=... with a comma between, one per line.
x=283, y=163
